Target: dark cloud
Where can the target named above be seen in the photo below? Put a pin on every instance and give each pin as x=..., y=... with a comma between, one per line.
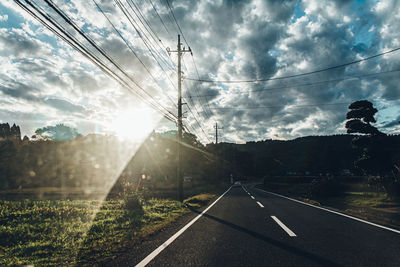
x=17, y=43
x=65, y=106
x=17, y=89
x=393, y=123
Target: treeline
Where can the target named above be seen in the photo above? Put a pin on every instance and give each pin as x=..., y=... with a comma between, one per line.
x=312, y=155
x=98, y=162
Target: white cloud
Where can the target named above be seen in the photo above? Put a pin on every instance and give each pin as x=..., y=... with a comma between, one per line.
x=3, y=17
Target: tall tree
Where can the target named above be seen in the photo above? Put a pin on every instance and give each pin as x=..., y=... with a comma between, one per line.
x=360, y=117
x=376, y=150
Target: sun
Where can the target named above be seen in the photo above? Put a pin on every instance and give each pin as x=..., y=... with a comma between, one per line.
x=133, y=124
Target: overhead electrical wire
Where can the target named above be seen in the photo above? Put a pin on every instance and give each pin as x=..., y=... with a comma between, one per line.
x=184, y=38
x=279, y=106
x=306, y=84
x=190, y=110
x=176, y=22
x=162, y=21
x=295, y=75
x=293, y=106
x=202, y=105
x=183, y=35
x=91, y=41
x=133, y=22
x=143, y=36
x=60, y=31
x=194, y=105
x=148, y=24
x=152, y=34
x=205, y=103
x=205, y=111
x=131, y=49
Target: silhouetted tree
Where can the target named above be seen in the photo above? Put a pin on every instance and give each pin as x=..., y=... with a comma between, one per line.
x=360, y=116
x=376, y=150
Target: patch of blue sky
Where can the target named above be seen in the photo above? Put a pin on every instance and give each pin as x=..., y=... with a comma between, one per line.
x=229, y=56
x=387, y=113
x=14, y=19
x=223, y=86
x=363, y=30
x=298, y=12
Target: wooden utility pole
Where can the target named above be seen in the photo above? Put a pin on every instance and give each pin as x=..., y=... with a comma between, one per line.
x=216, y=133
x=179, y=177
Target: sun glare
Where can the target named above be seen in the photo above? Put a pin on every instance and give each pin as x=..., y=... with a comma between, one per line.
x=133, y=125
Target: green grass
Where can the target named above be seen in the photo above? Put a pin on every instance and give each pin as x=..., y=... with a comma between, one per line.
x=369, y=199
x=199, y=200
x=58, y=232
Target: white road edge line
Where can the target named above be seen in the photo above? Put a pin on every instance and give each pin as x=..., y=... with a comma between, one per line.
x=335, y=212
x=157, y=251
x=259, y=204
x=284, y=227
x=252, y=197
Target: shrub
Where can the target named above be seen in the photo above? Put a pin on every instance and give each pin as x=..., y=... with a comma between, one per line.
x=133, y=202
x=392, y=186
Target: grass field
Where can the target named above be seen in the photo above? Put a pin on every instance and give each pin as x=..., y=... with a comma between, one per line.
x=60, y=232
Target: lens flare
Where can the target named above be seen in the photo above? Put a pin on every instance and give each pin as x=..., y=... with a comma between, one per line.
x=133, y=124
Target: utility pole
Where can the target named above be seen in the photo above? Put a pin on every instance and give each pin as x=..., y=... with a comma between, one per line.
x=179, y=177
x=216, y=133
x=220, y=167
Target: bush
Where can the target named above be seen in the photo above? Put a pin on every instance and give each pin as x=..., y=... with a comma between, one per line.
x=326, y=187
x=392, y=186
x=133, y=202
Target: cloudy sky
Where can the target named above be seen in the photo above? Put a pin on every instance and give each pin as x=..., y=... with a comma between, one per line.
x=44, y=81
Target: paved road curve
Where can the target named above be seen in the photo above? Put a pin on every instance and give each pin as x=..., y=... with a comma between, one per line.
x=249, y=227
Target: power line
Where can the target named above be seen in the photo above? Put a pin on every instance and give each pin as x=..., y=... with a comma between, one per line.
x=279, y=106
x=60, y=31
x=142, y=34
x=180, y=30
x=71, y=23
x=162, y=21
x=198, y=76
x=133, y=22
x=291, y=106
x=308, y=84
x=153, y=35
x=130, y=48
x=190, y=110
x=196, y=91
x=176, y=22
x=295, y=75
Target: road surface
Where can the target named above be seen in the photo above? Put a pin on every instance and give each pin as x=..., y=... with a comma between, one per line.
x=250, y=227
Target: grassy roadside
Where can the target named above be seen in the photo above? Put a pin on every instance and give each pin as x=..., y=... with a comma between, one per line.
x=61, y=232
x=357, y=201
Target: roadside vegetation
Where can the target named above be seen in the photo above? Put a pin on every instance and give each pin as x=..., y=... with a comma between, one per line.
x=356, y=196
x=62, y=232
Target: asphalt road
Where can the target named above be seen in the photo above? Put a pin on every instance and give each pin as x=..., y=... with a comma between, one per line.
x=239, y=230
